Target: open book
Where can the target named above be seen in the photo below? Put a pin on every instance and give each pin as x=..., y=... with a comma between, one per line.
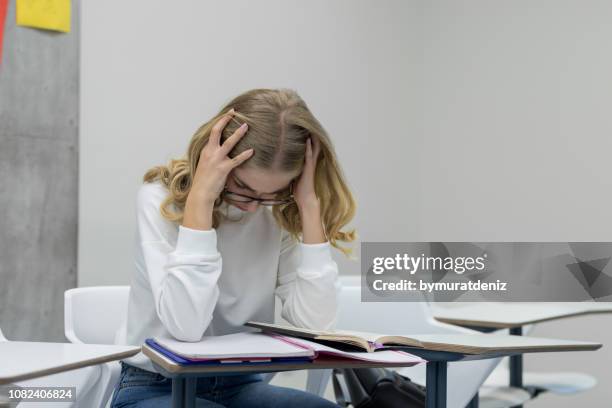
x=366, y=341
x=455, y=343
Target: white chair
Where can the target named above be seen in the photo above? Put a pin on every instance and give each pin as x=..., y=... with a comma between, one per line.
x=92, y=315
x=464, y=378
x=559, y=382
x=82, y=303
x=83, y=379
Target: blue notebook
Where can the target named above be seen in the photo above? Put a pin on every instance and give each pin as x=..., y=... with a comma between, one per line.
x=184, y=361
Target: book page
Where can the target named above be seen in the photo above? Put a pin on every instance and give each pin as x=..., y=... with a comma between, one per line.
x=382, y=356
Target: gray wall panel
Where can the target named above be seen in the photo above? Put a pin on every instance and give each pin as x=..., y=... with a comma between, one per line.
x=39, y=80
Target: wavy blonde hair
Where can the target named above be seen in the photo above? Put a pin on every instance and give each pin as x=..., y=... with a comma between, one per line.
x=279, y=125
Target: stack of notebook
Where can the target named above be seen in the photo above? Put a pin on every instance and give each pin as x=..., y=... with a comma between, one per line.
x=256, y=348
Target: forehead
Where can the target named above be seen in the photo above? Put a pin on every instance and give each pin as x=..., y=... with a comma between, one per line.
x=264, y=181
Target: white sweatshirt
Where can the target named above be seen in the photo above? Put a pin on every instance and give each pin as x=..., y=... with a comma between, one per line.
x=189, y=283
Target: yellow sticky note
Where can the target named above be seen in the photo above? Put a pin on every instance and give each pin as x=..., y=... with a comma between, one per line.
x=47, y=14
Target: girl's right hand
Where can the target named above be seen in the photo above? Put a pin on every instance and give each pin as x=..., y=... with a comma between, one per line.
x=214, y=165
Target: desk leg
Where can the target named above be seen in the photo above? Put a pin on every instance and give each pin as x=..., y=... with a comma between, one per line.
x=178, y=392
x=516, y=365
x=190, y=392
x=184, y=392
x=4, y=400
x=436, y=384
x=474, y=402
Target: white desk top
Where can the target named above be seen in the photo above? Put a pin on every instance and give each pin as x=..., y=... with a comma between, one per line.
x=504, y=315
x=482, y=344
x=24, y=360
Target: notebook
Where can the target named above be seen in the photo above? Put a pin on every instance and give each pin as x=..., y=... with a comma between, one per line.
x=242, y=361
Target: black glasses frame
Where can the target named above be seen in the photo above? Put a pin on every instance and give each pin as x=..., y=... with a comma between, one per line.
x=261, y=201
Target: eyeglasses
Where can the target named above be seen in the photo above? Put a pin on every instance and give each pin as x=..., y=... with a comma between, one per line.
x=241, y=198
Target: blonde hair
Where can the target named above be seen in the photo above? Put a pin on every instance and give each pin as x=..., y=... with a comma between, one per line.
x=279, y=125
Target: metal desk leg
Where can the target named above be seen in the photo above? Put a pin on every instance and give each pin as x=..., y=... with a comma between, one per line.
x=516, y=365
x=190, y=392
x=178, y=392
x=184, y=392
x=4, y=399
x=474, y=402
x=436, y=384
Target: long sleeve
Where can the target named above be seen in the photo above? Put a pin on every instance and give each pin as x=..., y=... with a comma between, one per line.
x=307, y=284
x=183, y=277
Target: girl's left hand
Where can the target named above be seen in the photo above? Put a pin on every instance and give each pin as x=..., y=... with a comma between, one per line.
x=304, y=190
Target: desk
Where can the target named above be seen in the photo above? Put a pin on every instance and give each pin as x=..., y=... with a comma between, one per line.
x=184, y=378
x=508, y=315
x=25, y=360
x=491, y=316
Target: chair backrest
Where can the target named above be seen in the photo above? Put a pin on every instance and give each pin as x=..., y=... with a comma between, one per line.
x=94, y=314
x=382, y=317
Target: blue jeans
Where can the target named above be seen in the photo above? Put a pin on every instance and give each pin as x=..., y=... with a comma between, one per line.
x=145, y=389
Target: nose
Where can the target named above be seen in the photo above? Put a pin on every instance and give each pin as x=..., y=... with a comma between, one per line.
x=252, y=206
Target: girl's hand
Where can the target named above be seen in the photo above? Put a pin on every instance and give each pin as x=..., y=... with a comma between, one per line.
x=304, y=191
x=306, y=198
x=214, y=165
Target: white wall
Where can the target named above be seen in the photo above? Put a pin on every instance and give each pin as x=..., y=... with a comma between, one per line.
x=153, y=72
x=515, y=142
x=454, y=120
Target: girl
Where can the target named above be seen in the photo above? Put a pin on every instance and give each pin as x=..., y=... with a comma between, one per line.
x=251, y=212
